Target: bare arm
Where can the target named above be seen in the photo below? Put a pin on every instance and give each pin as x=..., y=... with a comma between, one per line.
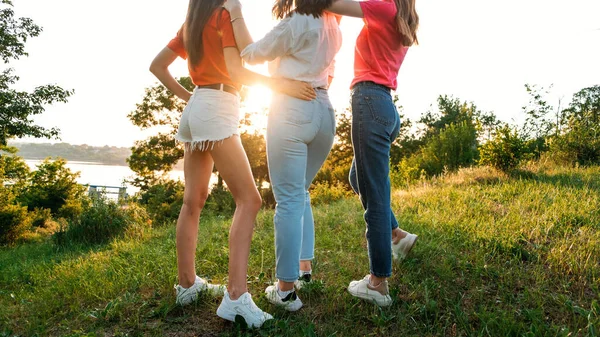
x=338, y=18
x=276, y=43
x=242, y=36
x=160, y=69
x=347, y=8
x=240, y=74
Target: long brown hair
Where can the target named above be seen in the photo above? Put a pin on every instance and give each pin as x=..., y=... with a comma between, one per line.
x=284, y=8
x=199, y=12
x=408, y=21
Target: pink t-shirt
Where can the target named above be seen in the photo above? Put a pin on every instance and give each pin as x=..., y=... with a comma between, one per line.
x=379, y=50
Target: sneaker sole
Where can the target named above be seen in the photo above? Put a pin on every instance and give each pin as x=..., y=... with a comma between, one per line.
x=291, y=307
x=229, y=315
x=226, y=314
x=371, y=299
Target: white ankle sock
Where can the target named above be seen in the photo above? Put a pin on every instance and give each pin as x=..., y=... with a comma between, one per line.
x=282, y=293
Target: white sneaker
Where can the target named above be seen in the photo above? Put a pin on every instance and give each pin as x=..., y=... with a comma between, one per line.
x=403, y=247
x=186, y=296
x=290, y=303
x=302, y=281
x=362, y=289
x=245, y=307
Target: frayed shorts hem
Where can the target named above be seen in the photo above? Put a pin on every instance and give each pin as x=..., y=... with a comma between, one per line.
x=204, y=144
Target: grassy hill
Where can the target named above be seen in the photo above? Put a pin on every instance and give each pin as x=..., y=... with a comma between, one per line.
x=497, y=256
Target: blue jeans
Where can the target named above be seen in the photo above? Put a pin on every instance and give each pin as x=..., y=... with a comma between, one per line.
x=375, y=125
x=299, y=137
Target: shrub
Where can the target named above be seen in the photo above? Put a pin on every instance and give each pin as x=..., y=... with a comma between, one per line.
x=323, y=193
x=13, y=169
x=578, y=139
x=454, y=147
x=41, y=217
x=331, y=174
x=14, y=219
x=54, y=186
x=407, y=171
x=268, y=198
x=578, y=145
x=163, y=201
x=73, y=207
x=220, y=202
x=505, y=151
x=103, y=220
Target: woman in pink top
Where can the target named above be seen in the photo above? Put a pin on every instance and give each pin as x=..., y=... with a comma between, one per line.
x=390, y=29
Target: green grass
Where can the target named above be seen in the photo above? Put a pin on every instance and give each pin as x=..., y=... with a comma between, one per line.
x=497, y=256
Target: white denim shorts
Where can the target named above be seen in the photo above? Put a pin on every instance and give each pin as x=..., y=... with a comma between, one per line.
x=210, y=117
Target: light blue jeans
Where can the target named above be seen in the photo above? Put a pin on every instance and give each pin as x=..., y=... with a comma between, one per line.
x=299, y=137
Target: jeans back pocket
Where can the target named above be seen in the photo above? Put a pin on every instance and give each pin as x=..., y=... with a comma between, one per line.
x=296, y=110
x=382, y=109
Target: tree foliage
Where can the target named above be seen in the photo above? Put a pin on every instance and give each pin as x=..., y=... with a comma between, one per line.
x=579, y=140
x=505, y=151
x=18, y=107
x=53, y=186
x=151, y=159
x=538, y=126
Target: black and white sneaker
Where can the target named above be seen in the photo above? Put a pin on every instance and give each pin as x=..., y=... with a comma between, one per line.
x=303, y=280
x=290, y=302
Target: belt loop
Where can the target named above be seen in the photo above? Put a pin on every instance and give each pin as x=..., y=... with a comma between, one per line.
x=221, y=87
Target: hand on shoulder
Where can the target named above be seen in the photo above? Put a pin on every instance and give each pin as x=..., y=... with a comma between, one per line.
x=232, y=5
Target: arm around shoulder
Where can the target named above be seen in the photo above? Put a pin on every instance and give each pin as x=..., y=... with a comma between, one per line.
x=347, y=8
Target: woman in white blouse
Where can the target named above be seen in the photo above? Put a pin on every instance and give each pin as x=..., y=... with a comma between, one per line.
x=300, y=133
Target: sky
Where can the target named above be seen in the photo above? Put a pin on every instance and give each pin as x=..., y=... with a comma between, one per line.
x=479, y=51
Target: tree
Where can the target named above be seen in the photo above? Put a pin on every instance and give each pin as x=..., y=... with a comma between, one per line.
x=537, y=127
x=406, y=144
x=447, y=142
x=153, y=158
x=53, y=186
x=450, y=111
x=487, y=123
x=13, y=169
x=18, y=107
x=580, y=137
x=256, y=149
x=505, y=151
x=341, y=153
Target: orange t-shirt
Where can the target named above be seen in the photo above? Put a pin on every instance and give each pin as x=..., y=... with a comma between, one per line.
x=217, y=34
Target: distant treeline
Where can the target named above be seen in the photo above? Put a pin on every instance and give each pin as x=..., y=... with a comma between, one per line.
x=111, y=155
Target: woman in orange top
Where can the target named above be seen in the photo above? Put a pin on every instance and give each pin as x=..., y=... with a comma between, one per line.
x=209, y=129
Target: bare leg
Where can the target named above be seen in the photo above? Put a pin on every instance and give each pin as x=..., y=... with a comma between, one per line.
x=232, y=163
x=306, y=265
x=197, y=171
x=397, y=235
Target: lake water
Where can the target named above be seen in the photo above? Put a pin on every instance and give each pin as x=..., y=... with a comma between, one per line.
x=103, y=175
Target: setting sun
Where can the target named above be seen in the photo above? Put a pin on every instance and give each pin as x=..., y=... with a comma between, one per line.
x=255, y=106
